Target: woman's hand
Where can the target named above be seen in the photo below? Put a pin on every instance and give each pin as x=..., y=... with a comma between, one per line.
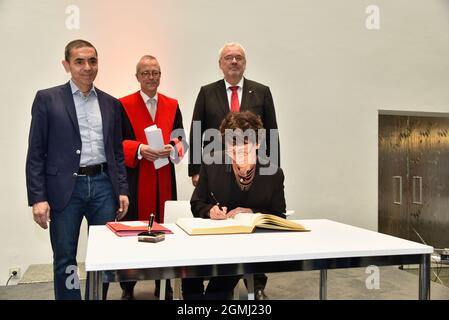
x=216, y=214
x=232, y=213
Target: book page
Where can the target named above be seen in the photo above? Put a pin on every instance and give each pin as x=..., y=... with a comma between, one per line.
x=247, y=219
x=192, y=223
x=269, y=221
x=275, y=222
x=196, y=226
x=241, y=223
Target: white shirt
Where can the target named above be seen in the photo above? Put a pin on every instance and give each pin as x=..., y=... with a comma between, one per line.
x=146, y=100
x=239, y=91
x=90, y=125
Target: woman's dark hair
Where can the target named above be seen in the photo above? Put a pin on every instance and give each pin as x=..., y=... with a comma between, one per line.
x=242, y=126
x=241, y=120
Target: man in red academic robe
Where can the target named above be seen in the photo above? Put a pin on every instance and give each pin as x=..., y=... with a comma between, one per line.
x=150, y=188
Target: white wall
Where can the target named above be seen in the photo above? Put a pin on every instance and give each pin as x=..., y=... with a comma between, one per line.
x=329, y=76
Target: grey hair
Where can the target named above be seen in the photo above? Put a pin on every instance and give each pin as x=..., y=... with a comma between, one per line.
x=145, y=57
x=231, y=44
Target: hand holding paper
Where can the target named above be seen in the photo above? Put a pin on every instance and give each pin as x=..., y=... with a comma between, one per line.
x=150, y=154
x=156, y=143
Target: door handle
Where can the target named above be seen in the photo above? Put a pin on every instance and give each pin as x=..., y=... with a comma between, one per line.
x=397, y=185
x=417, y=180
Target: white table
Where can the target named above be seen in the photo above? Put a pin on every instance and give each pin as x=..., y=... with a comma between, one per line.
x=329, y=245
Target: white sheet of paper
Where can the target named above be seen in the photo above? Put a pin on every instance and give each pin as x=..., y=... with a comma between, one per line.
x=133, y=223
x=156, y=142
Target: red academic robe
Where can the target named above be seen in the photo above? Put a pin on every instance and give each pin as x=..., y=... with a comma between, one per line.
x=149, y=188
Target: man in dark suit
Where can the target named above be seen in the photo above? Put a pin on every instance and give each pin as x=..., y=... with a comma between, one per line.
x=232, y=94
x=75, y=165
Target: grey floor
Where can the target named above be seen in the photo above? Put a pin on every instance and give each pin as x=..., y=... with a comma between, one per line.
x=342, y=284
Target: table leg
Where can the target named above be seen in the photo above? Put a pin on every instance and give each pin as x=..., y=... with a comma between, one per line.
x=162, y=288
x=250, y=284
x=90, y=277
x=100, y=285
x=323, y=284
x=95, y=285
x=177, y=289
x=424, y=277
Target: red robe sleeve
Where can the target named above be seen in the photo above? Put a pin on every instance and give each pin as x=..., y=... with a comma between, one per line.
x=130, y=148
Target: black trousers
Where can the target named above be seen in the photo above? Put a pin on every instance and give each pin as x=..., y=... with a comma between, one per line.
x=219, y=288
x=105, y=290
x=129, y=286
x=260, y=281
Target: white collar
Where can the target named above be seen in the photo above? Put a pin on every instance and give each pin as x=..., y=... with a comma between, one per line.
x=75, y=88
x=240, y=84
x=146, y=98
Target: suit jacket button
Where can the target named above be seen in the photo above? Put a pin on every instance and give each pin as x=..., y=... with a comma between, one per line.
x=78, y=151
x=75, y=174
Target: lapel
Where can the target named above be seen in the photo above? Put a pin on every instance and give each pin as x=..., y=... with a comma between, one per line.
x=223, y=191
x=138, y=115
x=69, y=104
x=143, y=112
x=222, y=97
x=105, y=115
x=247, y=92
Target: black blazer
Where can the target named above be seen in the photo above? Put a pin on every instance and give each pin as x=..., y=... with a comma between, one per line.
x=266, y=194
x=212, y=106
x=53, y=157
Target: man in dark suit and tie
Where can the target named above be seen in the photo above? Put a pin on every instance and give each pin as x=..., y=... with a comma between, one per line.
x=75, y=165
x=232, y=94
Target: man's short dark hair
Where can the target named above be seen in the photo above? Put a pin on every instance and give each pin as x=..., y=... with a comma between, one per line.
x=75, y=44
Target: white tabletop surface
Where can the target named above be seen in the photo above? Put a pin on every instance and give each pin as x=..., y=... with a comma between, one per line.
x=327, y=239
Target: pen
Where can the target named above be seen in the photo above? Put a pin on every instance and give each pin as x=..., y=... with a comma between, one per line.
x=150, y=223
x=215, y=199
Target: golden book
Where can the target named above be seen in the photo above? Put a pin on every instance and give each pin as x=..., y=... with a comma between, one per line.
x=241, y=223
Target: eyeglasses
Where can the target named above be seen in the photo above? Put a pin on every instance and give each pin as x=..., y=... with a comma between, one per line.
x=231, y=58
x=147, y=74
x=241, y=148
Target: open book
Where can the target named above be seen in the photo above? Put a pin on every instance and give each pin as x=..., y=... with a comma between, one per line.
x=241, y=223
